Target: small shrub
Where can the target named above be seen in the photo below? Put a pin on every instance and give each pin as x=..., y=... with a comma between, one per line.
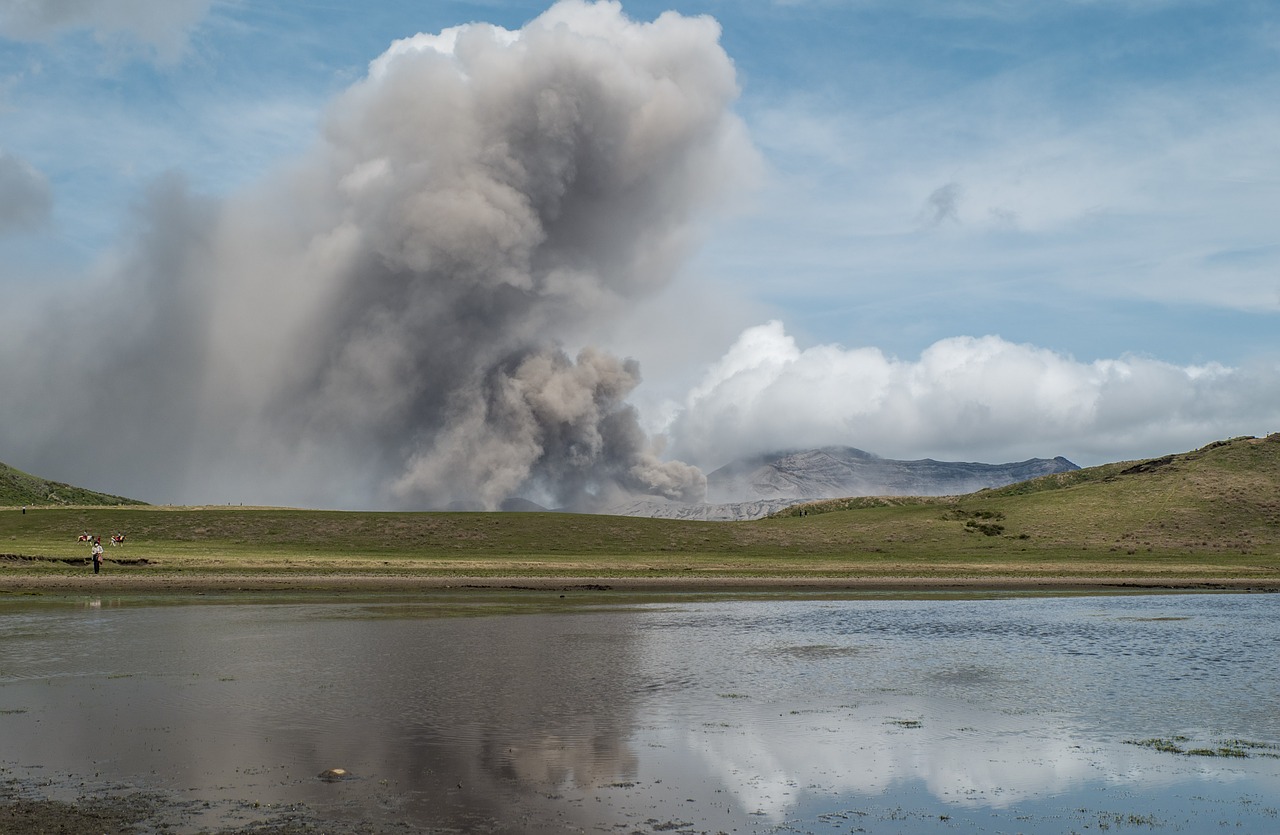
x=985, y=528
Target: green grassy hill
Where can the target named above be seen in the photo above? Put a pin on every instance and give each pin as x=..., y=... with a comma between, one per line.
x=1224, y=497
x=1210, y=513
x=18, y=488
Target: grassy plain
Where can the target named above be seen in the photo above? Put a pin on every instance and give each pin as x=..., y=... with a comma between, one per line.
x=1207, y=517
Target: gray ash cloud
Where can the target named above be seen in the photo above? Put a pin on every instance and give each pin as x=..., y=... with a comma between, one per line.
x=398, y=319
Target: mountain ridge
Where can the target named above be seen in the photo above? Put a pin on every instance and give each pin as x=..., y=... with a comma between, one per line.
x=762, y=485
x=750, y=488
x=837, y=472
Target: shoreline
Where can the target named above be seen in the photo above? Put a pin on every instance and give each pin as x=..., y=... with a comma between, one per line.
x=357, y=582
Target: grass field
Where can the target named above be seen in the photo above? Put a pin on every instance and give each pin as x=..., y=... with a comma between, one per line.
x=1212, y=514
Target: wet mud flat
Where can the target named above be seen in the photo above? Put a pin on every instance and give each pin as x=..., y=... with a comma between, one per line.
x=85, y=816
x=68, y=805
x=24, y=809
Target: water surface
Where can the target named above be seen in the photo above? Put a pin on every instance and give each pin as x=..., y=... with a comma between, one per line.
x=1033, y=715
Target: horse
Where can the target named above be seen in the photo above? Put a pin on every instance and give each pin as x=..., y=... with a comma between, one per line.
x=84, y=537
x=117, y=539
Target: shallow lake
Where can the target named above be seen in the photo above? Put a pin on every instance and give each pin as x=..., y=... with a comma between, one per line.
x=1013, y=714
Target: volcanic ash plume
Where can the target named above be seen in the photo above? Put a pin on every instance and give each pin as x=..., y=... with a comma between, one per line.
x=556, y=422
x=393, y=311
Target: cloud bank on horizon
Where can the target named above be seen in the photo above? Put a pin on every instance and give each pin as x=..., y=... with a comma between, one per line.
x=965, y=397
x=443, y=285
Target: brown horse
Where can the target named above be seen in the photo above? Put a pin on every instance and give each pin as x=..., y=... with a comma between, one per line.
x=117, y=539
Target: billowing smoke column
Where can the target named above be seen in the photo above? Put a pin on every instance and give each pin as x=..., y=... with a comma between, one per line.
x=384, y=324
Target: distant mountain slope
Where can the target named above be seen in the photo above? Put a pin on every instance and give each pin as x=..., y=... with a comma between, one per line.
x=763, y=485
x=19, y=488
x=834, y=472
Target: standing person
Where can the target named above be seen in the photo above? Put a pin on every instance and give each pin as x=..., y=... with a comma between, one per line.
x=97, y=555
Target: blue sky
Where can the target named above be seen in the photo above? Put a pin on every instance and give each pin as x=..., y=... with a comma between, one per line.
x=983, y=230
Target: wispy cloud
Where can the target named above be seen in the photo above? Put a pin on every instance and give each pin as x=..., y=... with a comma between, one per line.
x=1121, y=196
x=161, y=29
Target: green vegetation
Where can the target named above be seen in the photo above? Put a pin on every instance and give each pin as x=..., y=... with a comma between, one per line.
x=18, y=488
x=1209, y=514
x=1221, y=499
x=1232, y=748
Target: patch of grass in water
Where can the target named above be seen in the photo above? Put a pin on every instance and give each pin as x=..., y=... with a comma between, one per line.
x=1231, y=748
x=1263, y=749
x=905, y=723
x=1107, y=820
x=1220, y=751
x=1168, y=745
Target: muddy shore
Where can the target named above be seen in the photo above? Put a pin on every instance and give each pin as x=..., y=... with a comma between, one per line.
x=24, y=812
x=128, y=581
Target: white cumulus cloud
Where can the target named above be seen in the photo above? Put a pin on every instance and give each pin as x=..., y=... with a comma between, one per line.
x=964, y=398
